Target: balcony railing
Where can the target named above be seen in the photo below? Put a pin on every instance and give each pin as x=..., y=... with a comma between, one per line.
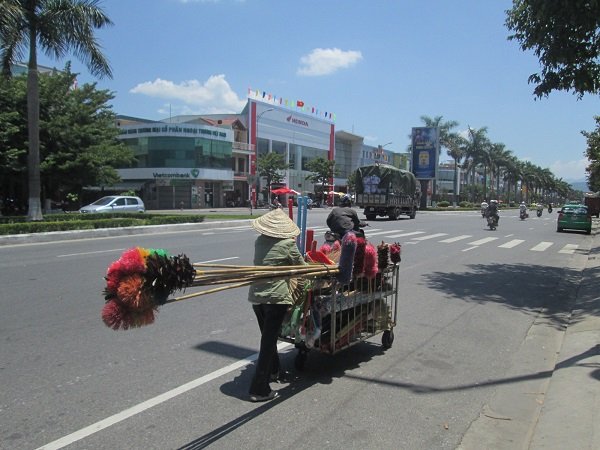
x=242, y=146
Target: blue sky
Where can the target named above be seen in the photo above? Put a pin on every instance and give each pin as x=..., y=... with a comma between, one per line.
x=378, y=65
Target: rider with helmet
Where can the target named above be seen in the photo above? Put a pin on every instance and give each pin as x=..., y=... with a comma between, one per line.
x=343, y=218
x=492, y=210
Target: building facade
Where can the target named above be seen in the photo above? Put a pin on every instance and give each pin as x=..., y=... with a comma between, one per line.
x=209, y=161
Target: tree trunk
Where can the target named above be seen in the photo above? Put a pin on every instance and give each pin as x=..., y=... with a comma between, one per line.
x=33, y=119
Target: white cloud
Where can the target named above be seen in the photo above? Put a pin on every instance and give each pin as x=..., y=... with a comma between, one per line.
x=215, y=96
x=325, y=61
x=570, y=170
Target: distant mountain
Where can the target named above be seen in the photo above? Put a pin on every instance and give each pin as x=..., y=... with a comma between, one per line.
x=579, y=186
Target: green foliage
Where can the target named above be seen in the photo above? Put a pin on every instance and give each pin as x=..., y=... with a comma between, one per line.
x=593, y=154
x=322, y=170
x=269, y=166
x=443, y=204
x=78, y=139
x=465, y=204
x=564, y=35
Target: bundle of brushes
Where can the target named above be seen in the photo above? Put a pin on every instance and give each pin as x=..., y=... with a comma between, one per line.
x=142, y=279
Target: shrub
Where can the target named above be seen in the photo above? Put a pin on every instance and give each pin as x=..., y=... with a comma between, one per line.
x=443, y=204
x=465, y=204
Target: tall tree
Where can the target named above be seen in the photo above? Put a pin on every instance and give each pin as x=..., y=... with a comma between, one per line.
x=565, y=36
x=456, y=145
x=593, y=154
x=78, y=139
x=270, y=166
x=443, y=128
x=58, y=27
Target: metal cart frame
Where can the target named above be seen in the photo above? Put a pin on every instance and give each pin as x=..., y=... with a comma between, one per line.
x=334, y=317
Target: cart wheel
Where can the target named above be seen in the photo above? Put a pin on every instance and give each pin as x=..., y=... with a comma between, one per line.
x=300, y=360
x=387, y=339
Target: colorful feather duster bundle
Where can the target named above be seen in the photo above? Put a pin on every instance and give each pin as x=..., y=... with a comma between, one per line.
x=140, y=281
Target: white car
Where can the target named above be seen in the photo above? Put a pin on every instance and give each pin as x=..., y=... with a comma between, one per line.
x=115, y=204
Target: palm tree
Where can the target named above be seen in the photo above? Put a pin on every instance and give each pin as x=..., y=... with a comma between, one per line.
x=443, y=133
x=456, y=145
x=500, y=159
x=476, y=153
x=58, y=27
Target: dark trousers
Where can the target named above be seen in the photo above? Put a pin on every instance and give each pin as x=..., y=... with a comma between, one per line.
x=270, y=317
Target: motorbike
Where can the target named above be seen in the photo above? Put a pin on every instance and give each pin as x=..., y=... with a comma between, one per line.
x=492, y=222
x=483, y=208
x=523, y=214
x=331, y=237
x=539, y=213
x=549, y=208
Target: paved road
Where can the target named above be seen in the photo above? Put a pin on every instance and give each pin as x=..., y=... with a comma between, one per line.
x=470, y=298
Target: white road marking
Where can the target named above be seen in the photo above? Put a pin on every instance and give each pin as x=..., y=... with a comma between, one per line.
x=457, y=238
x=469, y=249
x=431, y=236
x=91, y=253
x=511, y=244
x=483, y=241
x=569, y=248
x=217, y=260
x=141, y=407
x=369, y=232
x=405, y=234
x=541, y=246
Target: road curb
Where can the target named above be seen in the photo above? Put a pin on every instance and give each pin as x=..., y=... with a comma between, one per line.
x=61, y=236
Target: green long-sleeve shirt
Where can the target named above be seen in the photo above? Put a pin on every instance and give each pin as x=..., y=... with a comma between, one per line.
x=270, y=251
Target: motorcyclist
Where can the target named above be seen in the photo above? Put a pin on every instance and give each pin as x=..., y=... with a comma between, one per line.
x=343, y=218
x=484, y=206
x=539, y=209
x=492, y=210
x=523, y=209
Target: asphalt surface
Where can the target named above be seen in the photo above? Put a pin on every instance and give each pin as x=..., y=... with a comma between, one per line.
x=563, y=397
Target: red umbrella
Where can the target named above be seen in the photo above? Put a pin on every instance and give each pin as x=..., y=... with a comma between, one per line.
x=284, y=190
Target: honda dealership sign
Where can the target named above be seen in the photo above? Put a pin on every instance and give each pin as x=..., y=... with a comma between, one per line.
x=425, y=151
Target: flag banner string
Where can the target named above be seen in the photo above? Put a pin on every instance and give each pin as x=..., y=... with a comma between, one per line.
x=299, y=105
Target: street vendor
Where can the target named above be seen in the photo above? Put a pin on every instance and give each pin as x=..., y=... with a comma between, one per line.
x=270, y=300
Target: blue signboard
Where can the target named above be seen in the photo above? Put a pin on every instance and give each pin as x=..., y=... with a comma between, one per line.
x=425, y=150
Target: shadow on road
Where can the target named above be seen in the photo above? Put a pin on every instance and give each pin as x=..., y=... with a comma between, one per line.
x=529, y=288
x=319, y=369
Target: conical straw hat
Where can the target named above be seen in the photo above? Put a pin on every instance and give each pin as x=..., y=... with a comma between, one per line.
x=276, y=224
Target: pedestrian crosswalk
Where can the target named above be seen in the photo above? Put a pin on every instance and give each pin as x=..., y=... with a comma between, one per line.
x=416, y=237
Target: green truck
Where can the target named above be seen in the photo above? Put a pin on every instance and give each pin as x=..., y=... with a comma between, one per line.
x=386, y=191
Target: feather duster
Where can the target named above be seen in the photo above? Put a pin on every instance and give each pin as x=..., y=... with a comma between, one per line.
x=359, y=257
x=347, y=258
x=395, y=253
x=371, y=268
x=383, y=256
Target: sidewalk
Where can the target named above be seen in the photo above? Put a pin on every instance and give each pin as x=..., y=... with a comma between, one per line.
x=555, y=403
x=570, y=415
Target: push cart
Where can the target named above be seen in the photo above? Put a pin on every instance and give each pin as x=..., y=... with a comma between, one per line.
x=330, y=316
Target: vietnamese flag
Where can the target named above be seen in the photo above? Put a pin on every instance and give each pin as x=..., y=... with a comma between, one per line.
x=300, y=103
